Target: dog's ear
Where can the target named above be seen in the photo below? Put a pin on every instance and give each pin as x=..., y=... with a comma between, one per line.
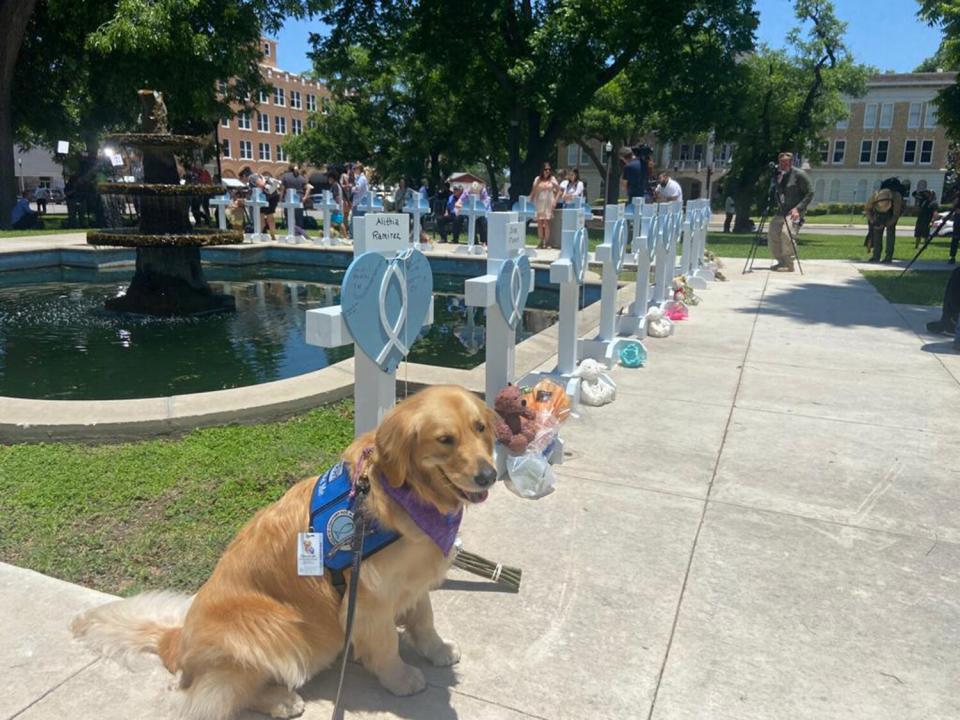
x=396, y=442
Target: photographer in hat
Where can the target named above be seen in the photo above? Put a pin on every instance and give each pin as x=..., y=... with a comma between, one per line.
x=793, y=193
x=883, y=210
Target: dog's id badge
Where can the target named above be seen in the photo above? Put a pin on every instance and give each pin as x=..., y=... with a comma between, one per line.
x=309, y=553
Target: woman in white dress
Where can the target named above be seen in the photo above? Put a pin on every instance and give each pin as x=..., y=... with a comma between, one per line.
x=544, y=195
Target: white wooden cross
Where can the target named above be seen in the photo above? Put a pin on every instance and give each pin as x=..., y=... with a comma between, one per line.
x=255, y=202
x=472, y=208
x=221, y=202
x=369, y=203
x=686, y=257
x=646, y=232
x=567, y=271
x=417, y=205
x=327, y=205
x=505, y=245
x=526, y=210
x=606, y=345
x=671, y=215
x=291, y=204
x=375, y=390
x=701, y=271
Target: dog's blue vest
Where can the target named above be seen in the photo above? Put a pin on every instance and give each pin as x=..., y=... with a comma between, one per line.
x=331, y=515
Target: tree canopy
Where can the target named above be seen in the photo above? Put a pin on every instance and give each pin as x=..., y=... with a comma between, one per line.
x=946, y=15
x=491, y=77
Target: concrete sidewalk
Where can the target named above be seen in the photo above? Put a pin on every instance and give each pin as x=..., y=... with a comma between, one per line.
x=765, y=525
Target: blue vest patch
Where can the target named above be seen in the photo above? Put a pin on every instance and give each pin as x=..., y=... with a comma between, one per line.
x=331, y=515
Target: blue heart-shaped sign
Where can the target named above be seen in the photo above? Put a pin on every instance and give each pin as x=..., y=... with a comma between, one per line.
x=513, y=287
x=385, y=303
x=619, y=243
x=579, y=254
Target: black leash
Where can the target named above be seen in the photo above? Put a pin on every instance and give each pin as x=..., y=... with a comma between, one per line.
x=926, y=244
x=356, y=547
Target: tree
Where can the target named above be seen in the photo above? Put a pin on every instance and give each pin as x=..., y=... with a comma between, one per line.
x=81, y=64
x=788, y=101
x=946, y=15
x=524, y=70
x=14, y=17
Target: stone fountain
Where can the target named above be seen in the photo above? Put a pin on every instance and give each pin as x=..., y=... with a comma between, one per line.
x=169, y=279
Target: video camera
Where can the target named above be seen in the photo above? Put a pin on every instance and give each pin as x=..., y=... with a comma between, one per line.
x=642, y=151
x=897, y=185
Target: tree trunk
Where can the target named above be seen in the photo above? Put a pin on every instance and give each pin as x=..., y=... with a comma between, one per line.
x=14, y=15
x=492, y=175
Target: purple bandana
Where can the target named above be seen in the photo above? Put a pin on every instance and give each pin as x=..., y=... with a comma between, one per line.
x=440, y=528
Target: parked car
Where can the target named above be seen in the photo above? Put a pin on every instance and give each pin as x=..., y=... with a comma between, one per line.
x=947, y=228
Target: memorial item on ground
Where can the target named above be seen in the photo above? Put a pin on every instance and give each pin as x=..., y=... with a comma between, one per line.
x=596, y=386
x=658, y=325
x=498, y=572
x=515, y=426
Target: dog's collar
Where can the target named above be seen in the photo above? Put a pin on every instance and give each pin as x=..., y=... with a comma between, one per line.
x=440, y=527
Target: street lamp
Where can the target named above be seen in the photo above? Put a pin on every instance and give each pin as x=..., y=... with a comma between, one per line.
x=606, y=183
x=20, y=165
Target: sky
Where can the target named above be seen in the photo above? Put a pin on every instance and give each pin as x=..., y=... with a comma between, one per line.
x=882, y=33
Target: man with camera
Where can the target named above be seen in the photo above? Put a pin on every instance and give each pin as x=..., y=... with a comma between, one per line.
x=883, y=211
x=793, y=192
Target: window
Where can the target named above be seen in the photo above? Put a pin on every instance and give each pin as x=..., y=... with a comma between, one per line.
x=839, y=149
x=281, y=154
x=726, y=152
x=913, y=117
x=266, y=49
x=869, y=116
x=296, y=126
x=844, y=122
x=263, y=122
x=882, y=147
x=225, y=148
x=246, y=150
x=698, y=152
x=243, y=120
x=295, y=99
x=818, y=191
x=926, y=152
x=866, y=149
x=325, y=105
x=264, y=98
x=311, y=123
x=573, y=154
x=280, y=125
x=931, y=120
x=861, y=194
x=824, y=151
x=909, y=152
x=886, y=115
x=264, y=151
x=225, y=123
x=278, y=97
x=834, y=190
x=311, y=103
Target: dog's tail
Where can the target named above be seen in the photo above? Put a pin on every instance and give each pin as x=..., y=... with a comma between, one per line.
x=150, y=622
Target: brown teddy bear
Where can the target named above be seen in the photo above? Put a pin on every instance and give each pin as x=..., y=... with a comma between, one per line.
x=515, y=421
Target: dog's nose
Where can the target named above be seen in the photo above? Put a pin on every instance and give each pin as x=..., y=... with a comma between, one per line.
x=486, y=475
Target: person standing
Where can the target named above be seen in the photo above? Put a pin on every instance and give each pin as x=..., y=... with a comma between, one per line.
x=40, y=195
x=729, y=208
x=450, y=217
x=883, y=211
x=360, y=187
x=543, y=194
x=633, y=175
x=572, y=187
x=793, y=193
x=926, y=207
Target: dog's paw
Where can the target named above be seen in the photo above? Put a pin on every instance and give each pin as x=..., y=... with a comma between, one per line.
x=279, y=702
x=443, y=654
x=406, y=680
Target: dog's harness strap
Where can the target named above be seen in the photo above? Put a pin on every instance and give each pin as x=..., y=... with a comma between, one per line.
x=361, y=488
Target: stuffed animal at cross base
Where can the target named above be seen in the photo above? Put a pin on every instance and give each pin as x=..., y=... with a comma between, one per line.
x=515, y=426
x=596, y=387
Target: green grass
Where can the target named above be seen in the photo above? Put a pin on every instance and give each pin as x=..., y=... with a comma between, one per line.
x=814, y=246
x=905, y=221
x=914, y=288
x=53, y=225
x=153, y=514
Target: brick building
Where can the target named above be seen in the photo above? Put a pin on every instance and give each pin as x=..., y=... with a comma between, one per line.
x=255, y=138
x=891, y=131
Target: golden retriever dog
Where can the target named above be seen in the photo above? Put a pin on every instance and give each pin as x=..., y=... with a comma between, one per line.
x=256, y=630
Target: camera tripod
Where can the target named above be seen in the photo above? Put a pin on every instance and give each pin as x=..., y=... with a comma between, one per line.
x=758, y=237
x=926, y=243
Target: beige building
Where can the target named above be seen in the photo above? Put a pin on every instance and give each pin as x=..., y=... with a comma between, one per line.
x=255, y=138
x=891, y=131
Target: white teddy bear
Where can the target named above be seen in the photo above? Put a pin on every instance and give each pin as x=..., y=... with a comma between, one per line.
x=596, y=387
